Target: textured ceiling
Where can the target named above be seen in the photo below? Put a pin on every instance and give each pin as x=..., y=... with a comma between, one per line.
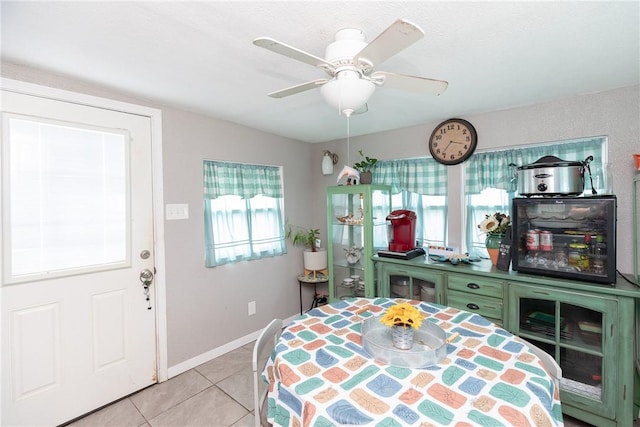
x=199, y=56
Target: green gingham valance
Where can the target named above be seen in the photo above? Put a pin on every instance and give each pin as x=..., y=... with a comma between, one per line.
x=421, y=176
x=245, y=180
x=491, y=169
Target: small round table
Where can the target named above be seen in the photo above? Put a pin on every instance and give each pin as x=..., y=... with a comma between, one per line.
x=313, y=279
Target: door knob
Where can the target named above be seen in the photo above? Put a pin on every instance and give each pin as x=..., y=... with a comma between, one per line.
x=146, y=276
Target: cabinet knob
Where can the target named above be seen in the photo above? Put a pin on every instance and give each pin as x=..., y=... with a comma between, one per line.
x=473, y=286
x=472, y=306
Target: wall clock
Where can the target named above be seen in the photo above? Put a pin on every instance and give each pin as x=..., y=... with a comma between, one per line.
x=453, y=141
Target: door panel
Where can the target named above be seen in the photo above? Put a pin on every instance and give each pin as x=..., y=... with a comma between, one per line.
x=35, y=370
x=109, y=329
x=77, y=330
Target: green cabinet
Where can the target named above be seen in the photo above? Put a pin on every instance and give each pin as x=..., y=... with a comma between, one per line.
x=476, y=294
x=423, y=284
x=589, y=335
x=357, y=228
x=589, y=329
x=636, y=227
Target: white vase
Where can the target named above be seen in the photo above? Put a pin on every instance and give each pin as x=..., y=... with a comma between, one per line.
x=315, y=261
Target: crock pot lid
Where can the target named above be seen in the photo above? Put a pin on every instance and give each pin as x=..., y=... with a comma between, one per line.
x=550, y=162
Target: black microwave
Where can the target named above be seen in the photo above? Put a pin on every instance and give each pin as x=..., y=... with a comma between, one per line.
x=567, y=237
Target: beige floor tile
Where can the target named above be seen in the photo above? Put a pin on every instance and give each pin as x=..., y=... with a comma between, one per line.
x=226, y=365
x=153, y=401
x=240, y=387
x=120, y=414
x=211, y=408
x=246, y=421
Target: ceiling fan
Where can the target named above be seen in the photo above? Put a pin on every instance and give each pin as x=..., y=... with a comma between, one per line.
x=349, y=61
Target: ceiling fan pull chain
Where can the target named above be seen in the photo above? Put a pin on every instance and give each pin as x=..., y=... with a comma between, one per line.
x=348, y=142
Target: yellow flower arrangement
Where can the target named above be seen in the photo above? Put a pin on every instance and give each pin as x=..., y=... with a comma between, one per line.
x=402, y=314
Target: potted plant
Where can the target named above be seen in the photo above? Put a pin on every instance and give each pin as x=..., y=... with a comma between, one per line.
x=404, y=318
x=495, y=226
x=314, y=257
x=364, y=167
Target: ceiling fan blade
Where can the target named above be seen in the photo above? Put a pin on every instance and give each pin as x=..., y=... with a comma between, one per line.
x=292, y=52
x=298, y=88
x=410, y=83
x=400, y=35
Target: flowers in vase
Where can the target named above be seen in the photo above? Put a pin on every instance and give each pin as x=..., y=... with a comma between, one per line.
x=496, y=223
x=402, y=314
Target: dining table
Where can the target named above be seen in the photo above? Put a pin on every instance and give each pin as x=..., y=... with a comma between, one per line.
x=320, y=373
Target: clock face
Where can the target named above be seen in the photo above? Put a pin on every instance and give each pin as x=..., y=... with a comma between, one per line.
x=453, y=141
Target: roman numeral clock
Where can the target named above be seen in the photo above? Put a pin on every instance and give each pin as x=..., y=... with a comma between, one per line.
x=453, y=141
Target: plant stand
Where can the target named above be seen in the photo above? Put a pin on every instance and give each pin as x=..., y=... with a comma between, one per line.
x=317, y=274
x=318, y=299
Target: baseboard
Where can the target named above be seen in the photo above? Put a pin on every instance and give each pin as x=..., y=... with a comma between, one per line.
x=182, y=367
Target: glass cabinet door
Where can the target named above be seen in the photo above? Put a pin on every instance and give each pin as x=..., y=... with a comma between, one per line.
x=576, y=329
x=356, y=216
x=401, y=281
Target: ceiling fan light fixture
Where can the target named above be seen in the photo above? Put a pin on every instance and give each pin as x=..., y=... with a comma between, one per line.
x=348, y=92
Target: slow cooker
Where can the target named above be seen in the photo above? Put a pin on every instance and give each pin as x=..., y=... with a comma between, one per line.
x=552, y=176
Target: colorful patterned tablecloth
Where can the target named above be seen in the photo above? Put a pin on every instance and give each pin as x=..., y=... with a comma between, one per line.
x=320, y=375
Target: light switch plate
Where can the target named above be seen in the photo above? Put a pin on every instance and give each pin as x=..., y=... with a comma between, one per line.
x=176, y=211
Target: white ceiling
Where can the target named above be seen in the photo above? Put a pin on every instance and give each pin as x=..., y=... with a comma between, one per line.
x=199, y=56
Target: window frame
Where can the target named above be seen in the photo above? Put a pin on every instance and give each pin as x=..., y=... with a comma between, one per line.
x=258, y=184
x=412, y=180
x=9, y=276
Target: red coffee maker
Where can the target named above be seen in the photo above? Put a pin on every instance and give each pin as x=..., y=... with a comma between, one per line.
x=402, y=236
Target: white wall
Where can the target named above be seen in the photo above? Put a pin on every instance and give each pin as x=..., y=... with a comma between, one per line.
x=614, y=113
x=208, y=306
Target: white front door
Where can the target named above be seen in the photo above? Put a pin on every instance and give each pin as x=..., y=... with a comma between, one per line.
x=78, y=328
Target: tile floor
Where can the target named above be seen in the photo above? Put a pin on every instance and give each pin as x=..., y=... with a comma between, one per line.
x=218, y=393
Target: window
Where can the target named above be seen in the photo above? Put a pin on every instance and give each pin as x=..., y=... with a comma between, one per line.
x=419, y=185
x=489, y=200
x=490, y=180
x=431, y=225
x=66, y=197
x=242, y=212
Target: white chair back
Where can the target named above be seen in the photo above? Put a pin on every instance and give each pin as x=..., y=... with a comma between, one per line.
x=264, y=346
x=549, y=362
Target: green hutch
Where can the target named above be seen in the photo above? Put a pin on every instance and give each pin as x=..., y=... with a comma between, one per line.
x=356, y=228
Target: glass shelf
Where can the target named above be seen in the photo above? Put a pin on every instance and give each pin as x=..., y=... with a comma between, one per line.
x=356, y=216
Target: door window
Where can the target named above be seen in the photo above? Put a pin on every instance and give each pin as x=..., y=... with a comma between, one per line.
x=66, y=199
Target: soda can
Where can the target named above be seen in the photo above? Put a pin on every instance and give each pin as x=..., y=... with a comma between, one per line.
x=533, y=240
x=546, y=241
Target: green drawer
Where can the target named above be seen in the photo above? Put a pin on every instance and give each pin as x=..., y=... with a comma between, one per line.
x=474, y=285
x=484, y=306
